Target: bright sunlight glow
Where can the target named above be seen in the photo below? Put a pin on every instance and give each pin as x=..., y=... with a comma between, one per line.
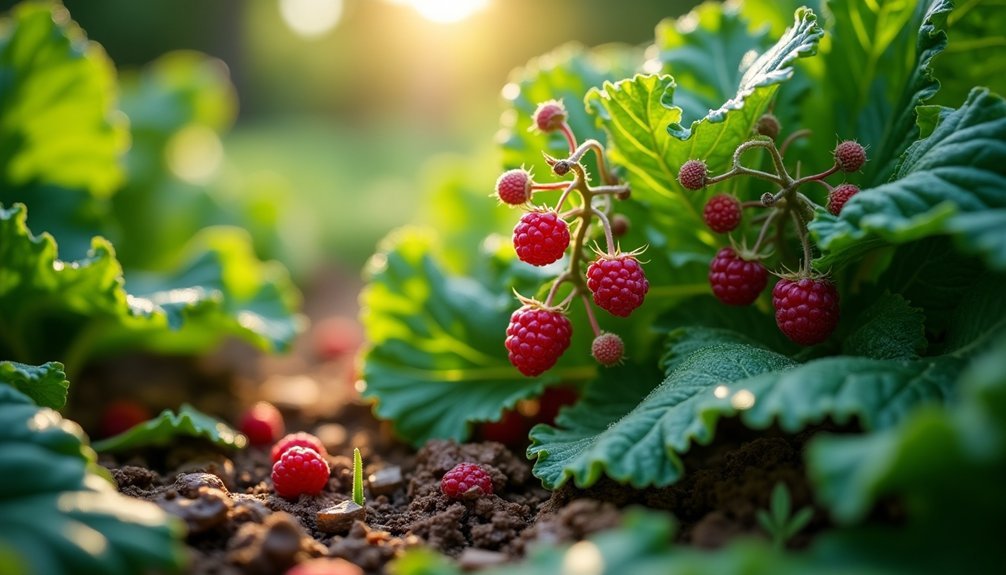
x=310, y=18
x=445, y=11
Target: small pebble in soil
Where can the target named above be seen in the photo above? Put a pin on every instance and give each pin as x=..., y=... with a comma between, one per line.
x=385, y=481
x=272, y=547
x=473, y=559
x=339, y=518
x=263, y=424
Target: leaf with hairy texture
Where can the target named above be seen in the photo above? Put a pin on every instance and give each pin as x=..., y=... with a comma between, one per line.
x=45, y=384
x=57, y=516
x=169, y=427
x=889, y=329
x=942, y=180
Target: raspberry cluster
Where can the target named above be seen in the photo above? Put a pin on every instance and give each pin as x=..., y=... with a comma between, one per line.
x=539, y=331
x=806, y=304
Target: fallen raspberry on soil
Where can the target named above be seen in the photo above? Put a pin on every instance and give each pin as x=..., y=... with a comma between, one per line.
x=618, y=283
x=838, y=197
x=122, y=415
x=325, y=566
x=464, y=477
x=850, y=156
x=514, y=187
x=536, y=338
x=722, y=213
x=299, y=471
x=736, y=281
x=263, y=424
x=299, y=439
x=540, y=238
x=607, y=349
x=692, y=175
x=806, y=310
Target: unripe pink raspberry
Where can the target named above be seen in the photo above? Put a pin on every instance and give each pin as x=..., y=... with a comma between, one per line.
x=536, y=338
x=540, y=238
x=299, y=439
x=263, y=424
x=722, y=213
x=850, y=156
x=550, y=116
x=514, y=187
x=325, y=566
x=618, y=283
x=692, y=175
x=607, y=349
x=299, y=471
x=840, y=195
x=464, y=478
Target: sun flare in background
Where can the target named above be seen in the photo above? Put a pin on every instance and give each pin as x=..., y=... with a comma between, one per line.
x=444, y=11
x=310, y=18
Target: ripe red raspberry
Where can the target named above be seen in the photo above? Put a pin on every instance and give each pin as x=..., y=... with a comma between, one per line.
x=464, y=477
x=263, y=424
x=736, y=281
x=536, y=338
x=806, y=310
x=692, y=175
x=540, y=238
x=768, y=125
x=299, y=439
x=840, y=195
x=514, y=186
x=618, y=283
x=549, y=116
x=299, y=471
x=607, y=349
x=850, y=156
x=122, y=415
x=722, y=213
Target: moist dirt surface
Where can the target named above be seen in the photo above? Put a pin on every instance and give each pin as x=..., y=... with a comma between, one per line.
x=238, y=525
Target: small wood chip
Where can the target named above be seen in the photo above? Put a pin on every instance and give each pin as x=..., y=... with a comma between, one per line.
x=340, y=518
x=385, y=481
x=473, y=559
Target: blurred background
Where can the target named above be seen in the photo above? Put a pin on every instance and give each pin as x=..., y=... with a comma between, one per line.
x=342, y=111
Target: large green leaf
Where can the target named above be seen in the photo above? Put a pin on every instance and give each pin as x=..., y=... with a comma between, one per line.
x=45, y=384
x=950, y=183
x=73, y=309
x=57, y=516
x=54, y=82
x=169, y=427
x=437, y=361
x=974, y=52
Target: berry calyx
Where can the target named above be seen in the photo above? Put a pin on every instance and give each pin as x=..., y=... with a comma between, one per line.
x=617, y=283
x=736, y=280
x=850, y=156
x=299, y=439
x=540, y=238
x=299, y=471
x=768, y=125
x=514, y=187
x=536, y=338
x=464, y=479
x=838, y=196
x=263, y=424
x=692, y=175
x=549, y=116
x=806, y=309
x=722, y=213
x=607, y=349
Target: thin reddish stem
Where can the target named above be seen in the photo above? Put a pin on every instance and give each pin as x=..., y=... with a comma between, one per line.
x=590, y=315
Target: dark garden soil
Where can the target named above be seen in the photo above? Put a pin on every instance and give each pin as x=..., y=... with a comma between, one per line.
x=237, y=525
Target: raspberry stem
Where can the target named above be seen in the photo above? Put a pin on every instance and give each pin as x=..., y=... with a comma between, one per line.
x=567, y=132
x=792, y=138
x=606, y=226
x=590, y=315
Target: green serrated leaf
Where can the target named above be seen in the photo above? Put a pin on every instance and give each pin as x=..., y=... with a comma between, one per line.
x=437, y=362
x=45, y=384
x=53, y=81
x=169, y=427
x=956, y=170
x=71, y=310
x=889, y=329
x=58, y=517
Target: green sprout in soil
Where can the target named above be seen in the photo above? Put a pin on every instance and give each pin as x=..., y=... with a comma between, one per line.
x=777, y=522
x=358, y=478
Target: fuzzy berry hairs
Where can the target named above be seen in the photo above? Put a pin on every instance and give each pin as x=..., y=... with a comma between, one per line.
x=539, y=331
x=806, y=303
